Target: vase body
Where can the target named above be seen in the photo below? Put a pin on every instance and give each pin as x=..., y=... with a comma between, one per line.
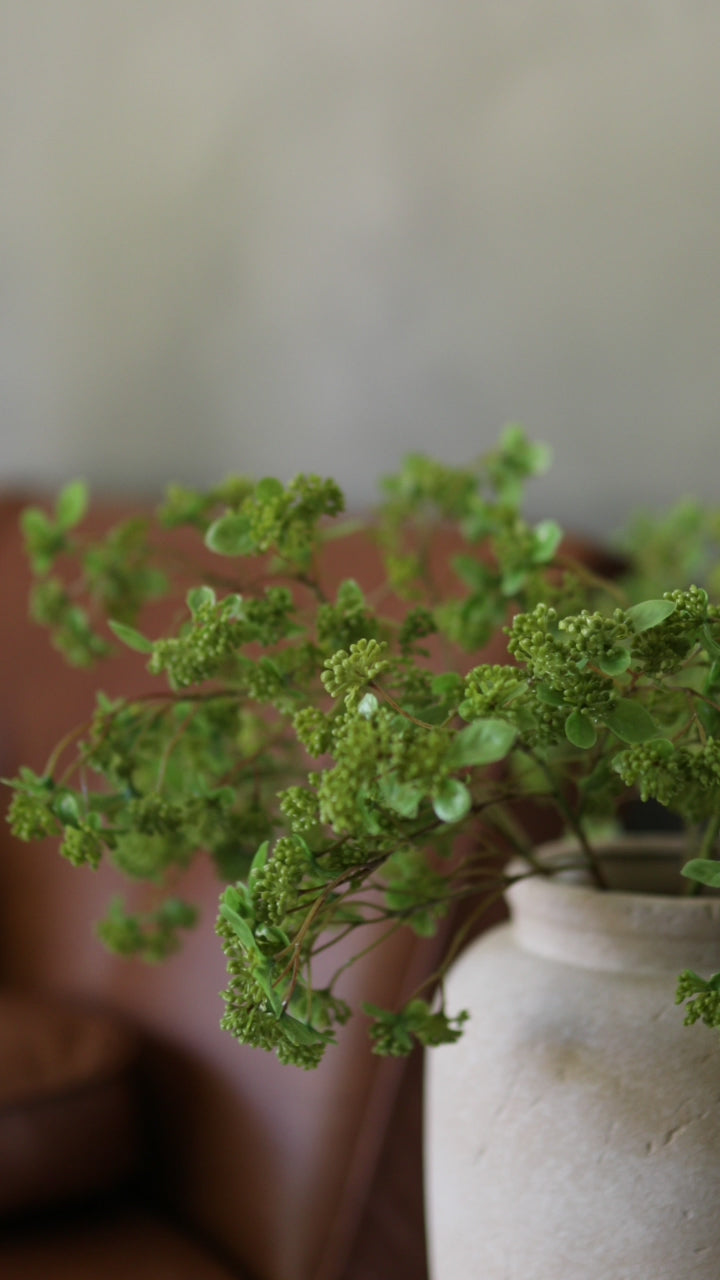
x=574, y=1132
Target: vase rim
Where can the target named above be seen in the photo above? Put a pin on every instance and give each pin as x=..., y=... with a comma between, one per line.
x=566, y=916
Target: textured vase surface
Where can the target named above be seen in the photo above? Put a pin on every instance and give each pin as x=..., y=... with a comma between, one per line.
x=574, y=1132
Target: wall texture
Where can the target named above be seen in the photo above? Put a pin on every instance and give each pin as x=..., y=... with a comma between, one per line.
x=270, y=235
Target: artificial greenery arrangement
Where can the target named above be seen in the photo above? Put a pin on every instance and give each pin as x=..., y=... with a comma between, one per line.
x=327, y=751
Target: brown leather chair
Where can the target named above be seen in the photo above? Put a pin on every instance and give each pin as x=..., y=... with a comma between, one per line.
x=244, y=1167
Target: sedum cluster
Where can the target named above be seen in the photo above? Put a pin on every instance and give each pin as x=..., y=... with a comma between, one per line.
x=326, y=753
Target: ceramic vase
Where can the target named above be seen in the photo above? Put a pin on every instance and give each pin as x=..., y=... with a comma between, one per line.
x=574, y=1132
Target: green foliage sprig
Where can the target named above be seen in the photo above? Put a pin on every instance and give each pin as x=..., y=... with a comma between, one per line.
x=326, y=754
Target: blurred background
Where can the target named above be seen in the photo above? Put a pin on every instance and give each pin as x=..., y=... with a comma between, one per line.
x=272, y=236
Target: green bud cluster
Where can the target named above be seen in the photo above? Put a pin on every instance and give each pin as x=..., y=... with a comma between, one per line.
x=286, y=518
x=342, y=624
x=250, y=1015
x=69, y=625
x=532, y=640
x=155, y=815
x=30, y=815
x=686, y=779
x=300, y=807
x=395, y=1034
x=148, y=857
x=269, y=618
x=349, y=673
x=314, y=730
x=153, y=936
x=419, y=754
x=119, y=573
x=273, y=887
x=490, y=689
x=592, y=637
x=202, y=650
x=702, y=996
x=344, y=790
x=82, y=846
x=662, y=650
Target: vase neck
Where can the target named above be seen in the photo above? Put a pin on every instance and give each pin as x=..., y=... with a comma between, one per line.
x=575, y=923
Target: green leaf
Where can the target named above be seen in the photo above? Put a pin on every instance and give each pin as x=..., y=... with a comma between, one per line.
x=512, y=581
x=268, y=489
x=551, y=697
x=473, y=572
x=709, y=642
x=704, y=871
x=129, y=636
x=261, y=856
x=615, y=661
x=631, y=722
x=649, y=613
x=402, y=797
x=452, y=801
x=71, y=504
x=230, y=535
x=67, y=808
x=483, y=742
x=239, y=926
x=233, y=606
x=44, y=539
x=34, y=522
x=300, y=1033
x=580, y=730
x=236, y=897
x=262, y=974
x=199, y=596
x=178, y=914
x=448, y=685
x=547, y=536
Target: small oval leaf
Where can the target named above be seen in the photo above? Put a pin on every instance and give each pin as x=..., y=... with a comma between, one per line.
x=268, y=489
x=71, y=504
x=240, y=927
x=649, y=613
x=704, y=871
x=547, y=536
x=615, y=662
x=132, y=638
x=402, y=797
x=580, y=730
x=631, y=722
x=230, y=535
x=198, y=596
x=452, y=801
x=483, y=742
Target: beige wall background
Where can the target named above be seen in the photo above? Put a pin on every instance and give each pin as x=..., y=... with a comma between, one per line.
x=271, y=236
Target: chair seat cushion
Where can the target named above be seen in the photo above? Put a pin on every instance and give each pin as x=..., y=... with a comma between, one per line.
x=68, y=1118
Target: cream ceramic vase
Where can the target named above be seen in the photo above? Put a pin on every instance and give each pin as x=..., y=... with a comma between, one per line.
x=574, y=1132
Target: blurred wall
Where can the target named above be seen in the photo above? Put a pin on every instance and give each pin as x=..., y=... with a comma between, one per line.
x=269, y=235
